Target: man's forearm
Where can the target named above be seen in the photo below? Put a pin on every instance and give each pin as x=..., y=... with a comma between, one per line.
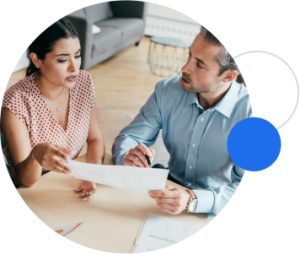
x=121, y=147
x=95, y=152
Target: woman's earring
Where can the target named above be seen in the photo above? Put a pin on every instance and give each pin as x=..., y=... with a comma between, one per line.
x=37, y=67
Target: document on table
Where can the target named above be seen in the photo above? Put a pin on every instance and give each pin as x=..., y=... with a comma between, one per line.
x=65, y=230
x=159, y=232
x=131, y=178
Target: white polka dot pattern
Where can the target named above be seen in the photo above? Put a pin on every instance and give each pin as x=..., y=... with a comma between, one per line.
x=25, y=100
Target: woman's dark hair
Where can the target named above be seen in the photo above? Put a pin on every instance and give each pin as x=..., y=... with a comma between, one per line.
x=44, y=43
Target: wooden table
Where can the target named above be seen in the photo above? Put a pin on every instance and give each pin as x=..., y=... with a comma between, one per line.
x=114, y=215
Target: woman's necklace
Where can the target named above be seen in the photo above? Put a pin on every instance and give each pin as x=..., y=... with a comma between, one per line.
x=57, y=108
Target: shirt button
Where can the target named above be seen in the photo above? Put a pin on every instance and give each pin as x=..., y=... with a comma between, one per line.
x=189, y=184
x=202, y=119
x=194, y=145
x=190, y=167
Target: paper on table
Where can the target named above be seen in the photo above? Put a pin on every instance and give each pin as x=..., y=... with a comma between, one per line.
x=124, y=177
x=65, y=230
x=159, y=232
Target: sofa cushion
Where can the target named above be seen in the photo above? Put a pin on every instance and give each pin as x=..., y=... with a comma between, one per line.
x=129, y=27
x=98, y=12
x=127, y=8
x=103, y=41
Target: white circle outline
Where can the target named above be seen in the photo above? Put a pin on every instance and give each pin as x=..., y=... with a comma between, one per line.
x=269, y=53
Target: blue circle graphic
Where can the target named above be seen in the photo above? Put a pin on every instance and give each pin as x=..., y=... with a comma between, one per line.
x=254, y=144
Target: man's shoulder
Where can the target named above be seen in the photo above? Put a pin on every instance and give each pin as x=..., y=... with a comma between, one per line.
x=242, y=93
x=170, y=86
x=242, y=105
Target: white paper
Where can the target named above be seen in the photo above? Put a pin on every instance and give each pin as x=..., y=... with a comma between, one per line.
x=95, y=29
x=124, y=177
x=159, y=232
x=65, y=230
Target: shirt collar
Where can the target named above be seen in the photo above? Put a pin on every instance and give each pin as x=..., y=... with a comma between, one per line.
x=225, y=105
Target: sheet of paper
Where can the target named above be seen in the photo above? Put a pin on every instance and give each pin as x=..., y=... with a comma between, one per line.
x=65, y=230
x=159, y=232
x=131, y=178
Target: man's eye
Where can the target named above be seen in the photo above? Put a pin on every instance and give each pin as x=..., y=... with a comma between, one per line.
x=199, y=65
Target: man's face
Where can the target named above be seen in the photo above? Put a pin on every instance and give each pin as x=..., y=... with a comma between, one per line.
x=200, y=73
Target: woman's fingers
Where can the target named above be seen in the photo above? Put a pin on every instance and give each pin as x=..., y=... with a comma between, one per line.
x=77, y=189
x=86, y=190
x=64, y=150
x=61, y=167
x=49, y=157
x=61, y=155
x=87, y=197
x=85, y=194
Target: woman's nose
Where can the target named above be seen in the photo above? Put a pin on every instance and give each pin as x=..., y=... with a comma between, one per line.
x=72, y=66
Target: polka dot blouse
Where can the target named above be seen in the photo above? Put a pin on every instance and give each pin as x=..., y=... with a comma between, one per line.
x=26, y=102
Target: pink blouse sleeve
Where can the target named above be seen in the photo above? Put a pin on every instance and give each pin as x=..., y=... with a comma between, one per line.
x=17, y=103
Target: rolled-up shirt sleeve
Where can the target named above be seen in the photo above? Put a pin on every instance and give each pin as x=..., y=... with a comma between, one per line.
x=143, y=129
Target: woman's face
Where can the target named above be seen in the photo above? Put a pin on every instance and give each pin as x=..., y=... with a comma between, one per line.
x=61, y=66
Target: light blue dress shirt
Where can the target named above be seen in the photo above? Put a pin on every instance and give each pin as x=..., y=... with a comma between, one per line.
x=196, y=139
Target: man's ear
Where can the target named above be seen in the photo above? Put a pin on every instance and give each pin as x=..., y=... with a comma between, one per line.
x=229, y=75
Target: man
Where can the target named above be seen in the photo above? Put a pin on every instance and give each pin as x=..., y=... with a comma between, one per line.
x=196, y=112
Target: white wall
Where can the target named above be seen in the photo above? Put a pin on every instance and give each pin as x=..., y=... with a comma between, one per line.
x=162, y=21
x=23, y=62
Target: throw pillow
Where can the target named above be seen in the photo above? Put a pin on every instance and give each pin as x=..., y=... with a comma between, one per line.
x=127, y=8
x=95, y=29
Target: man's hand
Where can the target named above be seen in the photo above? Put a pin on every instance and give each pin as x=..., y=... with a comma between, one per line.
x=171, y=200
x=136, y=156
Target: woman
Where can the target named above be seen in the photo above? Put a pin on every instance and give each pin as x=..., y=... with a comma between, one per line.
x=49, y=115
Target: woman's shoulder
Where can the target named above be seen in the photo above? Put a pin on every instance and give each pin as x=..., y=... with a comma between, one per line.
x=84, y=81
x=23, y=85
x=84, y=76
x=21, y=89
x=84, y=89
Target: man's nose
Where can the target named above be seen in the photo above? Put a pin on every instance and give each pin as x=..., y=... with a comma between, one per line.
x=186, y=67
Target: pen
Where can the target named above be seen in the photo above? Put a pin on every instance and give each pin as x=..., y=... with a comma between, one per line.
x=148, y=160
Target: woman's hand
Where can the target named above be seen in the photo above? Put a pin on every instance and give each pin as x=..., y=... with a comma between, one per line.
x=47, y=155
x=86, y=190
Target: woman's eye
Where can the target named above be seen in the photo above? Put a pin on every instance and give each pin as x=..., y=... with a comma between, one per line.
x=62, y=61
